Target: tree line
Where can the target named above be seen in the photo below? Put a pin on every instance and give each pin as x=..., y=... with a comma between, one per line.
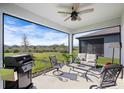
x=35, y=49
x=27, y=47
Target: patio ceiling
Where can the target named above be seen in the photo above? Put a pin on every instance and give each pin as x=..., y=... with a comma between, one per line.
x=104, y=15
x=102, y=12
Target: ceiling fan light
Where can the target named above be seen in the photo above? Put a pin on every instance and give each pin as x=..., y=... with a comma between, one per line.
x=74, y=14
x=73, y=18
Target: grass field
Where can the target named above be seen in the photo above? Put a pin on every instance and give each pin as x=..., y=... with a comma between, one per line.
x=103, y=60
x=42, y=61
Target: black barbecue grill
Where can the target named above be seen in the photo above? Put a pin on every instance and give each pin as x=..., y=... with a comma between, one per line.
x=22, y=64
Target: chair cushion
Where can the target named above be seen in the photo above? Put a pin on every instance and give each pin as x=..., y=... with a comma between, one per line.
x=91, y=57
x=82, y=56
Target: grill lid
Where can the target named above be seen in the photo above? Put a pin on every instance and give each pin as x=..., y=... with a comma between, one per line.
x=18, y=60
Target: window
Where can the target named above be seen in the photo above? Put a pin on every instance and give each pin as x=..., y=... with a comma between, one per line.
x=92, y=46
x=21, y=36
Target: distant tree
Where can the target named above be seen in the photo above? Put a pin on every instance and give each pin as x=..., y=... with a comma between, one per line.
x=7, y=50
x=34, y=48
x=62, y=48
x=16, y=51
x=25, y=43
x=15, y=46
x=29, y=50
x=62, y=45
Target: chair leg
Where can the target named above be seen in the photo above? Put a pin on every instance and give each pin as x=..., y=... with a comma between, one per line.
x=57, y=69
x=57, y=72
x=94, y=87
x=44, y=74
x=69, y=70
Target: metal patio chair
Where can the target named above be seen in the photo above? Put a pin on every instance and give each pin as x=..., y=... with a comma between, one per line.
x=56, y=65
x=86, y=59
x=108, y=76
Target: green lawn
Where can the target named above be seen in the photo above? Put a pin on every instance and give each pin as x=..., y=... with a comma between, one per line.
x=103, y=60
x=42, y=60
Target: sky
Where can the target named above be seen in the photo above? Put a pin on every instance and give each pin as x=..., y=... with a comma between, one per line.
x=15, y=28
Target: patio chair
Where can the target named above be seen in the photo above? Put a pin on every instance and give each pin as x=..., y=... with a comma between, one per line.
x=82, y=56
x=56, y=65
x=90, y=60
x=107, y=76
x=86, y=59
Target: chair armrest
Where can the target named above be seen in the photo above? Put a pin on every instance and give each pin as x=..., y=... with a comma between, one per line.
x=75, y=60
x=91, y=72
x=61, y=64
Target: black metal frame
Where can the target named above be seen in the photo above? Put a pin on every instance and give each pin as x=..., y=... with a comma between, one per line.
x=108, y=76
x=3, y=37
x=55, y=65
x=3, y=43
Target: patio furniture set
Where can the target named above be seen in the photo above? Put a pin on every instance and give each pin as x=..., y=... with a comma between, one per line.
x=86, y=65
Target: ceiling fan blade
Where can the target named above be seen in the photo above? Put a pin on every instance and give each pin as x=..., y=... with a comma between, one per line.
x=78, y=18
x=75, y=6
x=86, y=11
x=64, y=12
x=67, y=18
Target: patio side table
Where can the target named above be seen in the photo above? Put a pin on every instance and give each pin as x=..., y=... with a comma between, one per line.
x=79, y=68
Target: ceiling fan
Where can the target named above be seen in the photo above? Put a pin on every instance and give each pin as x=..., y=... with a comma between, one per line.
x=74, y=14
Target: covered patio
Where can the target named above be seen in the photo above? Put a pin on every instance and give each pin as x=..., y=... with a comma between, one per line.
x=103, y=16
x=68, y=80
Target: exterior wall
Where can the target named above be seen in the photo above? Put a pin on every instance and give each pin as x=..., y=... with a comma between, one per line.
x=107, y=50
x=1, y=60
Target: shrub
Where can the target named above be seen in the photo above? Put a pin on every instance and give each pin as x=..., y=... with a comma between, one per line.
x=16, y=51
x=7, y=51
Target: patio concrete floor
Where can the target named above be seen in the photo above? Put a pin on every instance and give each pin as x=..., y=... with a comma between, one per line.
x=68, y=81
